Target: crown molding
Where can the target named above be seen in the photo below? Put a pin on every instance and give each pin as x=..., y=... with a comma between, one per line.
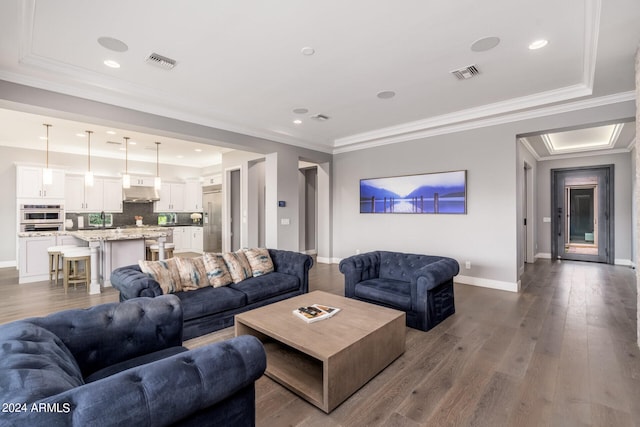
x=494, y=121
x=525, y=142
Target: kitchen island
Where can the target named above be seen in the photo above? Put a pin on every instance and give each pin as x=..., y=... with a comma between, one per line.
x=115, y=248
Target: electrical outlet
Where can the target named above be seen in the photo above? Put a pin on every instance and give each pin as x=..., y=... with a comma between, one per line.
x=467, y=265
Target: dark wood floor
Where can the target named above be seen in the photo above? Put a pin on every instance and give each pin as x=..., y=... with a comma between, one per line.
x=562, y=352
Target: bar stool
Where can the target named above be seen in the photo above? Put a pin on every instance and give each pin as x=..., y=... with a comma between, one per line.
x=147, y=248
x=55, y=258
x=71, y=273
x=155, y=251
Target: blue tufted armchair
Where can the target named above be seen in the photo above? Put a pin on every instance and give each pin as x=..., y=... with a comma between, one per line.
x=420, y=285
x=123, y=364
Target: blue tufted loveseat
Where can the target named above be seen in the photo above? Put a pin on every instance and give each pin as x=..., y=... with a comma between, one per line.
x=209, y=309
x=123, y=364
x=420, y=285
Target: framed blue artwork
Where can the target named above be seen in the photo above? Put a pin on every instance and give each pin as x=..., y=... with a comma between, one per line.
x=429, y=193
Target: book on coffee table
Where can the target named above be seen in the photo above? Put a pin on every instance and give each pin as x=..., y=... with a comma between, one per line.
x=315, y=312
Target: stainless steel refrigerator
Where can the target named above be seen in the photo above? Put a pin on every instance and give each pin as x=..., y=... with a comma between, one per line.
x=212, y=218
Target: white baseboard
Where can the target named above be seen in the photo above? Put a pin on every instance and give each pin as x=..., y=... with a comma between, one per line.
x=488, y=283
x=325, y=260
x=624, y=262
x=543, y=255
x=5, y=264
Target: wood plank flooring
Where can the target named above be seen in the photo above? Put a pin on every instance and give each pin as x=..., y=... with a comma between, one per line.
x=562, y=352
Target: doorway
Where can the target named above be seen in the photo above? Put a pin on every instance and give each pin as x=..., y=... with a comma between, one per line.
x=582, y=203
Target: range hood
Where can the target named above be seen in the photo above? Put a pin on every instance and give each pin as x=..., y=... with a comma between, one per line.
x=139, y=194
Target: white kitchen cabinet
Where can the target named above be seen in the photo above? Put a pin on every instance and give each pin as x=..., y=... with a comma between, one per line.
x=142, y=181
x=193, y=196
x=179, y=235
x=62, y=240
x=112, y=198
x=212, y=180
x=171, y=197
x=29, y=183
x=104, y=195
x=197, y=239
x=33, y=258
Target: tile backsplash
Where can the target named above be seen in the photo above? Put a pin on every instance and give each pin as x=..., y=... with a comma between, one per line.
x=127, y=217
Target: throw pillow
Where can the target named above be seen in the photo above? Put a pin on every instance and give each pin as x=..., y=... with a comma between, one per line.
x=217, y=270
x=238, y=265
x=164, y=272
x=193, y=274
x=259, y=260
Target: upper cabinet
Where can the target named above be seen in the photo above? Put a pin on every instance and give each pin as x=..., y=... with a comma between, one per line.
x=171, y=197
x=30, y=186
x=193, y=196
x=142, y=181
x=104, y=195
x=212, y=180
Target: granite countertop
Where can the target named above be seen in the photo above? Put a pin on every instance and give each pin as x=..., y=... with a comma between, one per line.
x=120, y=234
x=42, y=233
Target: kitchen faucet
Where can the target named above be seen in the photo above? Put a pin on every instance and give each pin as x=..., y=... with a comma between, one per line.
x=103, y=218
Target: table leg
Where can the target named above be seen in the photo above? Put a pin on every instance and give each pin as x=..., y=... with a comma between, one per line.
x=95, y=283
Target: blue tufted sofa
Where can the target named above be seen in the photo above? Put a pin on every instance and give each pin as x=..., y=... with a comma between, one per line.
x=420, y=285
x=123, y=364
x=209, y=309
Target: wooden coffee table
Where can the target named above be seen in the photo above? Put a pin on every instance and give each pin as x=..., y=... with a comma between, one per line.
x=325, y=362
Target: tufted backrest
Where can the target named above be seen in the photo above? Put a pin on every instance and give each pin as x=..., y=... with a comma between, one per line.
x=34, y=364
x=401, y=266
x=111, y=333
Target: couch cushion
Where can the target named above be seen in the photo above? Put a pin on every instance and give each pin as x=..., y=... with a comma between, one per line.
x=34, y=364
x=192, y=272
x=210, y=300
x=164, y=272
x=259, y=260
x=136, y=361
x=217, y=270
x=393, y=293
x=267, y=286
x=238, y=265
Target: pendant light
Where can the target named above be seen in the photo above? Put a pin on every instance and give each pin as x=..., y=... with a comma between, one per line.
x=88, y=176
x=47, y=173
x=126, y=178
x=157, y=182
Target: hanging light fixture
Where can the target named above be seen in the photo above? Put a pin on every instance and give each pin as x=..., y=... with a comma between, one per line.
x=126, y=178
x=88, y=176
x=47, y=173
x=157, y=182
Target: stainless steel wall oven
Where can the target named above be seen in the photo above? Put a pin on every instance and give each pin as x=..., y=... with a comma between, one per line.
x=41, y=217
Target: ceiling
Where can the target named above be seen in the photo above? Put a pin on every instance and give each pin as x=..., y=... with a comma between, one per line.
x=245, y=66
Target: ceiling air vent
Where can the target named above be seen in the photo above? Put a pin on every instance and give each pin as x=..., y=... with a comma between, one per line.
x=161, y=61
x=466, y=72
x=320, y=117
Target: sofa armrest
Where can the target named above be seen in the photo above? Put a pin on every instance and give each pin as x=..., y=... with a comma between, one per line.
x=433, y=274
x=160, y=393
x=133, y=283
x=293, y=264
x=130, y=329
x=358, y=268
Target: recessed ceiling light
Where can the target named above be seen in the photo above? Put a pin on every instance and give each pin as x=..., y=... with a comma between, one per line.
x=538, y=44
x=484, y=44
x=43, y=138
x=111, y=132
x=386, y=94
x=300, y=110
x=80, y=135
x=132, y=143
x=179, y=156
x=308, y=51
x=113, y=44
x=111, y=63
x=198, y=150
x=297, y=121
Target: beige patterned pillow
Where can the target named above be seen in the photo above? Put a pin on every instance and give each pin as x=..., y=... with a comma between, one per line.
x=164, y=272
x=217, y=270
x=193, y=274
x=259, y=260
x=238, y=265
